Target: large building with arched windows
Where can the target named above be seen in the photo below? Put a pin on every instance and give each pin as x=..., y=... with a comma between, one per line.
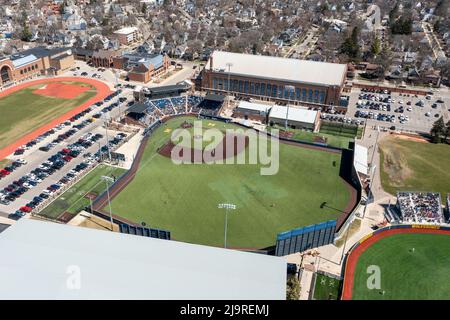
x=34, y=62
x=274, y=78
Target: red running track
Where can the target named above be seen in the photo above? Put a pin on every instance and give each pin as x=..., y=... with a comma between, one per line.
x=352, y=259
x=102, y=92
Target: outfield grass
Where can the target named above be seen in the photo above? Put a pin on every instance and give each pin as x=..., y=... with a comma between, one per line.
x=422, y=273
x=326, y=288
x=23, y=111
x=184, y=198
x=74, y=200
x=333, y=140
x=414, y=166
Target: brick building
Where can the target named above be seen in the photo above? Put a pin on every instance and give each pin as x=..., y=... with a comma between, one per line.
x=142, y=67
x=34, y=62
x=274, y=79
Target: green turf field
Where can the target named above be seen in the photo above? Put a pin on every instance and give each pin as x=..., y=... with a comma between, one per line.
x=23, y=111
x=73, y=200
x=414, y=166
x=184, y=198
x=422, y=273
x=326, y=288
x=333, y=139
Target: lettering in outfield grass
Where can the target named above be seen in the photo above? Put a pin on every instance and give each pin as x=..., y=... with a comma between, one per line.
x=262, y=148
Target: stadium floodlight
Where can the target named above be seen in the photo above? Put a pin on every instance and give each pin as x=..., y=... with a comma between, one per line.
x=290, y=89
x=107, y=180
x=107, y=117
x=229, y=65
x=226, y=206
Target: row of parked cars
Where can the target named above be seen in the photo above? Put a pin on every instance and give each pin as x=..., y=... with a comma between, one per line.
x=11, y=168
x=339, y=118
x=49, y=167
x=375, y=116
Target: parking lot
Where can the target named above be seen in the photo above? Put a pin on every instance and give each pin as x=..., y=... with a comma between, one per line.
x=405, y=112
x=44, y=165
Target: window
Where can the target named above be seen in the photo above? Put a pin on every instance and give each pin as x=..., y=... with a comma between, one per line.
x=263, y=89
x=245, y=86
x=21, y=71
x=257, y=88
x=310, y=95
x=274, y=91
x=269, y=89
x=297, y=93
x=303, y=94
x=252, y=88
x=322, y=97
x=280, y=91
x=241, y=86
x=215, y=83
x=316, y=96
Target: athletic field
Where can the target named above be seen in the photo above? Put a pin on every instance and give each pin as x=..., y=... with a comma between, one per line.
x=414, y=166
x=25, y=110
x=326, y=288
x=74, y=199
x=412, y=266
x=184, y=198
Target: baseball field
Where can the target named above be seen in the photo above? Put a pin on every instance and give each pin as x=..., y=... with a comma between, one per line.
x=184, y=198
x=412, y=265
x=29, y=109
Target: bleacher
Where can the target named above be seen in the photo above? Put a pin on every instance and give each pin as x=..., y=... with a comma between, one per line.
x=152, y=111
x=420, y=207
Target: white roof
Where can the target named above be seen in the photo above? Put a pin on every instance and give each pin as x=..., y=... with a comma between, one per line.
x=254, y=106
x=360, y=160
x=126, y=30
x=294, y=114
x=292, y=70
x=45, y=260
x=24, y=61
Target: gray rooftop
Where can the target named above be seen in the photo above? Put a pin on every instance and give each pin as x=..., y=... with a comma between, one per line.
x=44, y=260
x=277, y=68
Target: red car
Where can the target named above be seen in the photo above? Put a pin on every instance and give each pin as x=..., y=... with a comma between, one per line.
x=65, y=150
x=67, y=158
x=4, y=172
x=25, y=209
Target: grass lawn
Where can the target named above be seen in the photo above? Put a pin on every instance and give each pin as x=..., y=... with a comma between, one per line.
x=73, y=199
x=326, y=288
x=184, y=198
x=406, y=274
x=333, y=140
x=414, y=166
x=23, y=111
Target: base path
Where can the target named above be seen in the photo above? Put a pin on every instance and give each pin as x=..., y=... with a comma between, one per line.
x=366, y=242
x=102, y=92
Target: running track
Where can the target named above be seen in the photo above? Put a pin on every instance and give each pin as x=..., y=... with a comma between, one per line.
x=102, y=92
x=352, y=259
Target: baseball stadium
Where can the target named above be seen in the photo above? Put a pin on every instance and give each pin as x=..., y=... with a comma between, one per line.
x=410, y=261
x=40, y=105
x=184, y=198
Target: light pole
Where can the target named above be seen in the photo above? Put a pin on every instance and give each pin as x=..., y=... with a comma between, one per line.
x=290, y=89
x=106, y=118
x=229, y=65
x=226, y=206
x=109, y=179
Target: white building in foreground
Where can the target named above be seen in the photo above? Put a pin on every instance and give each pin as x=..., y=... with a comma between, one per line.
x=43, y=260
x=297, y=118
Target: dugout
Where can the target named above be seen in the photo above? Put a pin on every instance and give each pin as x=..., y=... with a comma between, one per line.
x=211, y=104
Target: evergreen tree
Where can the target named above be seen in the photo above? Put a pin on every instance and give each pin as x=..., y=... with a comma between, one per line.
x=376, y=47
x=438, y=130
x=350, y=46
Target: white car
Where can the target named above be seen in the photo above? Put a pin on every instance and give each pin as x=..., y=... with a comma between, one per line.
x=428, y=114
x=22, y=161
